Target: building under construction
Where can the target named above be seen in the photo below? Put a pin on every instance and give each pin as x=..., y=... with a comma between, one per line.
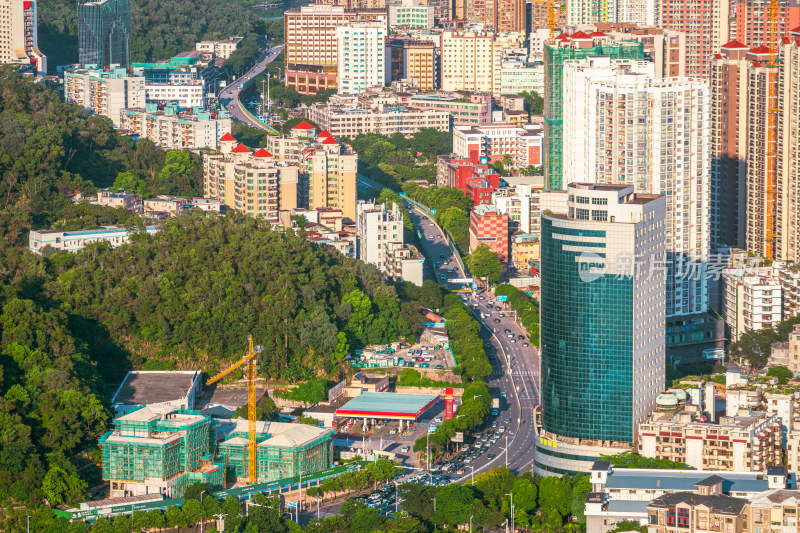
x=283, y=450
x=162, y=450
x=565, y=47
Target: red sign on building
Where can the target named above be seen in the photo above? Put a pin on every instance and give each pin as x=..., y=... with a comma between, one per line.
x=448, y=403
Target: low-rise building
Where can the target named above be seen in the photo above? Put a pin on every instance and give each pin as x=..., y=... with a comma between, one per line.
x=411, y=14
x=521, y=76
x=345, y=121
x=72, y=241
x=173, y=129
x=164, y=205
x=521, y=204
x=469, y=109
x=526, y=252
x=750, y=301
x=185, y=95
x=120, y=198
x=104, y=92
x=736, y=443
x=488, y=226
x=495, y=141
x=222, y=49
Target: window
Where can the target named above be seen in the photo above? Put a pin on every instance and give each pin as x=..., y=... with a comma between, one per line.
x=652, y=519
x=582, y=214
x=683, y=518
x=670, y=517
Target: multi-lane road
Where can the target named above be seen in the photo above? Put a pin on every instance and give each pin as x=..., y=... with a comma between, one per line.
x=229, y=97
x=516, y=367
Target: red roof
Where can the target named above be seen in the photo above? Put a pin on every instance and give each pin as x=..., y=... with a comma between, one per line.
x=562, y=36
x=329, y=140
x=580, y=35
x=597, y=34
x=324, y=133
x=227, y=137
x=760, y=50
x=717, y=56
x=262, y=153
x=303, y=126
x=734, y=44
x=796, y=30
x=241, y=149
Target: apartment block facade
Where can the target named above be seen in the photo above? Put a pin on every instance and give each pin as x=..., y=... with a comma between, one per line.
x=471, y=61
x=469, y=109
x=412, y=61
x=750, y=301
x=411, y=14
x=172, y=129
x=104, y=92
x=750, y=23
x=787, y=155
x=343, y=121
x=72, y=241
x=495, y=141
x=380, y=242
x=490, y=227
x=311, y=51
x=653, y=133
x=19, y=43
x=360, y=56
x=706, y=25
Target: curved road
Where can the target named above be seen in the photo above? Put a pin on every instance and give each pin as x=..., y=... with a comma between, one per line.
x=516, y=367
x=229, y=97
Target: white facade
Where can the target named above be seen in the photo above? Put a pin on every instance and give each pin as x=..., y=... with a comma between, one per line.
x=642, y=12
x=517, y=77
x=360, y=56
x=593, y=11
x=186, y=95
x=411, y=14
x=380, y=242
x=104, y=92
x=751, y=301
x=521, y=204
x=626, y=126
x=19, y=35
x=72, y=241
x=177, y=131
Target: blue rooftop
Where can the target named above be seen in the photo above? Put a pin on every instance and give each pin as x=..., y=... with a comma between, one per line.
x=682, y=480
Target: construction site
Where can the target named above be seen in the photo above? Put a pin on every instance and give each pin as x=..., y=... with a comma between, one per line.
x=161, y=448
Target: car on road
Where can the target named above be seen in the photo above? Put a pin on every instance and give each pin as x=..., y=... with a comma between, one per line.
x=430, y=223
x=494, y=412
x=502, y=394
x=525, y=344
x=507, y=419
x=521, y=337
x=441, y=256
x=404, y=449
x=430, y=236
x=494, y=424
x=490, y=456
x=442, y=277
x=512, y=340
x=479, y=297
x=497, y=320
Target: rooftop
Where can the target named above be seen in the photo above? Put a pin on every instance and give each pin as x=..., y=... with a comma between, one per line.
x=682, y=480
x=143, y=387
x=718, y=503
x=389, y=403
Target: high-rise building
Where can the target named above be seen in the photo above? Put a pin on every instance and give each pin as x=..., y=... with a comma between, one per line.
x=416, y=62
x=591, y=11
x=19, y=43
x=761, y=161
x=750, y=301
x=331, y=169
x=104, y=92
x=566, y=47
x=627, y=126
x=411, y=14
x=104, y=33
x=788, y=155
x=729, y=87
x=602, y=314
x=705, y=23
x=360, y=56
x=311, y=51
x=254, y=183
x=665, y=48
x=510, y=16
x=472, y=61
x=750, y=23
x=380, y=242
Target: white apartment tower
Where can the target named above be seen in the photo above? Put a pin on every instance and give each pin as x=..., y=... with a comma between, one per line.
x=626, y=126
x=360, y=56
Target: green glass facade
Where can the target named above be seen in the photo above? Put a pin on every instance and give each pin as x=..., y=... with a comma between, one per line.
x=554, y=57
x=587, y=337
x=104, y=33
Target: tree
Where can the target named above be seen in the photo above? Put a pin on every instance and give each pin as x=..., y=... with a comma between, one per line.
x=483, y=262
x=175, y=517
x=62, y=487
x=453, y=505
x=241, y=59
x=555, y=494
x=194, y=490
x=782, y=373
x=122, y=524
x=534, y=104
x=129, y=182
x=193, y=511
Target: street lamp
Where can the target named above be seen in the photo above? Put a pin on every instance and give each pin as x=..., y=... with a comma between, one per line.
x=472, y=473
x=201, y=507
x=470, y=523
x=511, y=495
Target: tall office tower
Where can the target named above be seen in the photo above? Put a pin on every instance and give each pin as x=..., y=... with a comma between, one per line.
x=750, y=25
x=788, y=154
x=360, y=56
x=510, y=16
x=104, y=33
x=626, y=126
x=18, y=35
x=729, y=85
x=705, y=23
x=602, y=333
x=761, y=161
x=311, y=51
x=566, y=47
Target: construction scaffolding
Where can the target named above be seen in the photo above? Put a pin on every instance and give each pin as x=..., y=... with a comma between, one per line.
x=555, y=55
x=277, y=462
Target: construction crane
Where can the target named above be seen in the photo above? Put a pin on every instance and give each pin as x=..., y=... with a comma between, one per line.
x=250, y=360
x=772, y=127
x=553, y=15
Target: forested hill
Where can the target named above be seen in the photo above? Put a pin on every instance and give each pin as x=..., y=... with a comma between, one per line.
x=159, y=29
x=188, y=297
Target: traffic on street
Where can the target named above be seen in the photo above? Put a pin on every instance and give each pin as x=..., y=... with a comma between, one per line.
x=229, y=97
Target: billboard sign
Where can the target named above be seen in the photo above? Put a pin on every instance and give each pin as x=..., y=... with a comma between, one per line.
x=448, y=403
x=502, y=298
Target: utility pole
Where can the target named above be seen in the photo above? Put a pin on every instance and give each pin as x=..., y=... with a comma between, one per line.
x=506, y=451
x=201, y=505
x=511, y=495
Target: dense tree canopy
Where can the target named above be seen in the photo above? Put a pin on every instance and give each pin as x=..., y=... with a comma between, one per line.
x=484, y=263
x=159, y=29
x=755, y=345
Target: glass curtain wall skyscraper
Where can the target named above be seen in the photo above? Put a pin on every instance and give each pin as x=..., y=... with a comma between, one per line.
x=104, y=32
x=602, y=320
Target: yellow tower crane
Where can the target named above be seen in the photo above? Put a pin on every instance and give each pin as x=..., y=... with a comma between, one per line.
x=553, y=15
x=772, y=127
x=250, y=360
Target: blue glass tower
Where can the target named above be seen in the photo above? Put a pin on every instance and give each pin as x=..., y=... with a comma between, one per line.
x=104, y=33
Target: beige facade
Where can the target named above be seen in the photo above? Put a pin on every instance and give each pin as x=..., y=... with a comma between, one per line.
x=343, y=121
x=175, y=130
x=222, y=49
x=311, y=51
x=19, y=37
x=254, y=183
x=788, y=155
x=331, y=171
x=472, y=61
x=413, y=62
x=104, y=92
